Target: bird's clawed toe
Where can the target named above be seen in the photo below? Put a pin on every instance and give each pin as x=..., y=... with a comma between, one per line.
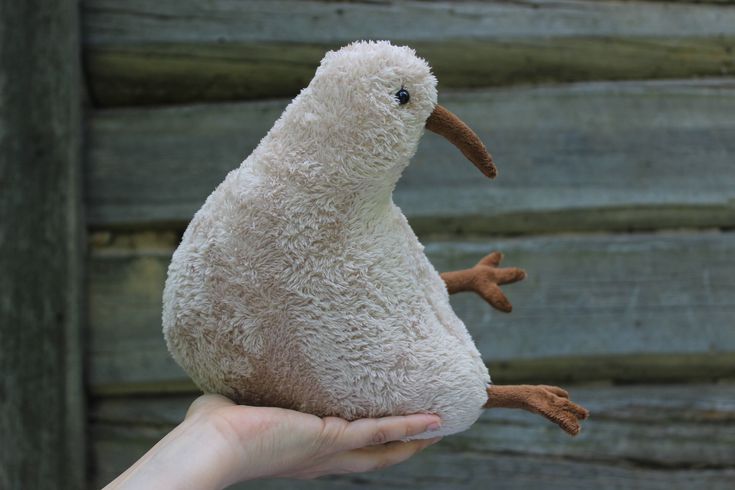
x=556, y=390
x=492, y=259
x=554, y=404
x=488, y=277
x=485, y=278
x=550, y=401
x=492, y=293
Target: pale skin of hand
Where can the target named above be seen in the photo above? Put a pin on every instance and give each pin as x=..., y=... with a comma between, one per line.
x=220, y=443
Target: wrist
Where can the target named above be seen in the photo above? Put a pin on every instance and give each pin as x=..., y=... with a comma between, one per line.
x=205, y=457
x=194, y=455
x=218, y=444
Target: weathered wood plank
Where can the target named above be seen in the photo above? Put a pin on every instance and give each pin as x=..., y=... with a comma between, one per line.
x=633, y=429
x=222, y=21
x=42, y=401
x=127, y=372
x=173, y=52
x=437, y=471
x=434, y=469
x=661, y=425
x=582, y=157
x=638, y=307
x=143, y=74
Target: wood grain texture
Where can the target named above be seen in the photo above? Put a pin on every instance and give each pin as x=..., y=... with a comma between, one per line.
x=635, y=433
x=187, y=21
x=621, y=307
x=173, y=52
x=144, y=74
x=612, y=156
x=42, y=401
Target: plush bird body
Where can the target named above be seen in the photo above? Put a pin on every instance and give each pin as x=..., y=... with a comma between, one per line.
x=300, y=284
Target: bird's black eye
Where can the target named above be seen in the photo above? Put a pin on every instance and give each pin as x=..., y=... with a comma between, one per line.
x=403, y=96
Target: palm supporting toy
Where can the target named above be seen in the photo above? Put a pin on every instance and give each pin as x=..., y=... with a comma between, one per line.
x=299, y=284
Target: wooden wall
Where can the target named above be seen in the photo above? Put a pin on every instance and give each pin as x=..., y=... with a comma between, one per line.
x=613, y=126
x=42, y=236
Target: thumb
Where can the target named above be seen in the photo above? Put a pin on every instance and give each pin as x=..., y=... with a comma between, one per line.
x=206, y=403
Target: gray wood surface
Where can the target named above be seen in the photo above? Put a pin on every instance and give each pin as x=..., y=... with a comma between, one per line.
x=650, y=436
x=144, y=74
x=631, y=307
x=595, y=156
x=140, y=52
x=42, y=402
x=170, y=21
x=603, y=157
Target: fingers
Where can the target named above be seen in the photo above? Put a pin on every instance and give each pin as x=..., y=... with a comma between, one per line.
x=492, y=294
x=368, y=432
x=370, y=444
x=378, y=457
x=492, y=259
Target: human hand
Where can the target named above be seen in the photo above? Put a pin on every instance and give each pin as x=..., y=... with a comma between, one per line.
x=221, y=443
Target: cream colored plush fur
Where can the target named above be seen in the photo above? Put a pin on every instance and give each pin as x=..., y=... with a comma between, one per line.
x=300, y=284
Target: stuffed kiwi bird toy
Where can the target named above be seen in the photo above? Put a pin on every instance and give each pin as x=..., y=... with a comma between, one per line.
x=299, y=284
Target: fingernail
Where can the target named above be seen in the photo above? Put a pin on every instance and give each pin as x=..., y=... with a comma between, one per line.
x=433, y=426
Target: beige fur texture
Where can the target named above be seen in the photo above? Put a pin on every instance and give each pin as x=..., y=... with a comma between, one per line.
x=299, y=282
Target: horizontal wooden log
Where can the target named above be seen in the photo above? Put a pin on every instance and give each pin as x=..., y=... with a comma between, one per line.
x=142, y=52
x=434, y=469
x=127, y=371
x=633, y=429
x=295, y=21
x=143, y=74
x=630, y=308
x=627, y=155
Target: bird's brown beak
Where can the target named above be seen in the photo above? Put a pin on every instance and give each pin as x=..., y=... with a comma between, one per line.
x=446, y=124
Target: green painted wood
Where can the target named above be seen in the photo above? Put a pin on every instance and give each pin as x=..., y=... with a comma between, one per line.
x=42, y=401
x=621, y=307
x=599, y=156
x=143, y=74
x=677, y=429
x=621, y=368
x=142, y=52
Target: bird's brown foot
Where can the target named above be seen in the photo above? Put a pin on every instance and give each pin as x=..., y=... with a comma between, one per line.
x=485, y=279
x=549, y=401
